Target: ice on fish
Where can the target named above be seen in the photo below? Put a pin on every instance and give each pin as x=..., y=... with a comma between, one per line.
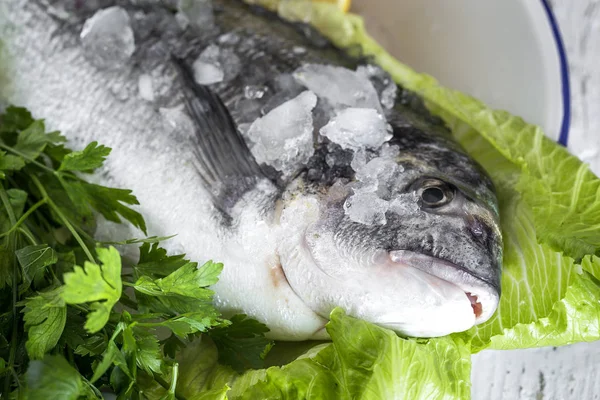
x=145, y=87
x=230, y=63
x=199, y=13
x=355, y=128
x=229, y=39
x=340, y=86
x=374, y=175
x=382, y=82
x=215, y=65
x=366, y=208
x=405, y=204
x=283, y=138
x=285, y=88
x=107, y=38
x=254, y=91
x=207, y=67
x=299, y=50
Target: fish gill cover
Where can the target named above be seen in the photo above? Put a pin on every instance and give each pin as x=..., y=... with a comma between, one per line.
x=551, y=295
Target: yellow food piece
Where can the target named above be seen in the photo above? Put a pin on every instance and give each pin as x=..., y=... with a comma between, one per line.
x=343, y=5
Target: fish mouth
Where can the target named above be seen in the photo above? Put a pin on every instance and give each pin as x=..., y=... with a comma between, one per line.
x=483, y=296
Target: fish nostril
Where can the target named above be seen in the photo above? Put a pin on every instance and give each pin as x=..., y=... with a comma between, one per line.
x=477, y=229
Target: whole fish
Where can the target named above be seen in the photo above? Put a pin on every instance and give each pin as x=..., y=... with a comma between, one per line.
x=307, y=172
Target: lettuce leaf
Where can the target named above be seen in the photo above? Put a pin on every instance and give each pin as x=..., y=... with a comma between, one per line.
x=362, y=362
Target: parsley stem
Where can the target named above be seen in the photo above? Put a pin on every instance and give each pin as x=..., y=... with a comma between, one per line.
x=64, y=219
x=174, y=378
x=24, y=217
x=80, y=308
x=12, y=241
x=28, y=235
x=166, y=385
x=26, y=157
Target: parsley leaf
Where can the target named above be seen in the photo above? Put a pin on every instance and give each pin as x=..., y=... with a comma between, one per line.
x=9, y=162
x=111, y=202
x=242, y=344
x=99, y=284
x=15, y=119
x=89, y=159
x=33, y=260
x=154, y=261
x=45, y=318
x=31, y=141
x=188, y=280
x=54, y=378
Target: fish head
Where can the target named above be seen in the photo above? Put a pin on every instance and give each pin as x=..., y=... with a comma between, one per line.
x=418, y=252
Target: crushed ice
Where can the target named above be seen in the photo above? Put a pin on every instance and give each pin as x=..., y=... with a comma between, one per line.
x=283, y=138
x=198, y=13
x=346, y=107
x=372, y=197
x=107, y=38
x=356, y=128
x=215, y=65
x=338, y=85
x=382, y=82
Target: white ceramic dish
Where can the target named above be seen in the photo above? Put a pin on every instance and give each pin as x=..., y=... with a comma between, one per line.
x=507, y=53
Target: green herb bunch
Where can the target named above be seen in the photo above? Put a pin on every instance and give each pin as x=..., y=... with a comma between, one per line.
x=76, y=318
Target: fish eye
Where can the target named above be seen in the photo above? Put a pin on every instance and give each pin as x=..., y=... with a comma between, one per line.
x=435, y=193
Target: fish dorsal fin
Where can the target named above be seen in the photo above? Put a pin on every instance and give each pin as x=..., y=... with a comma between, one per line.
x=223, y=160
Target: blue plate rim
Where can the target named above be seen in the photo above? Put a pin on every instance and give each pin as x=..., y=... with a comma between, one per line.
x=563, y=137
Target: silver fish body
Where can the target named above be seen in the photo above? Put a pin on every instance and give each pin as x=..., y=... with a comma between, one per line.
x=428, y=264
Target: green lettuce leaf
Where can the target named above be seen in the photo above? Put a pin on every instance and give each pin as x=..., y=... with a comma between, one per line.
x=365, y=362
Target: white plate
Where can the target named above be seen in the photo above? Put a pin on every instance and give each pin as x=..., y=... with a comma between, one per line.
x=507, y=53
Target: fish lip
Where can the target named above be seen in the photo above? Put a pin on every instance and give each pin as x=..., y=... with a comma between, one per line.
x=485, y=292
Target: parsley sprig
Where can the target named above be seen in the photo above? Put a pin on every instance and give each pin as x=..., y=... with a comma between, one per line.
x=75, y=317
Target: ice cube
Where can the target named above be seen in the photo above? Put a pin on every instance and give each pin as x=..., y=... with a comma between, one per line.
x=215, y=65
x=107, y=38
x=145, y=87
x=284, y=137
x=366, y=208
x=199, y=13
x=407, y=203
x=355, y=128
x=230, y=63
x=382, y=82
x=340, y=86
x=389, y=151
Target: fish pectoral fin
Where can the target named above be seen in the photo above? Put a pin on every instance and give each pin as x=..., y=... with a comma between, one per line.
x=223, y=160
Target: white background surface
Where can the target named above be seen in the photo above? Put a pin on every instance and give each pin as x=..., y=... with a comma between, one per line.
x=570, y=372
